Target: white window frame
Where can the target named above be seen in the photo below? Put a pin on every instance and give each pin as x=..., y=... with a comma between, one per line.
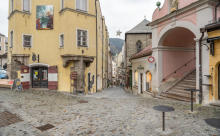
x=0, y=39
x=23, y=40
x=87, y=31
x=22, y=6
x=11, y=6
x=81, y=6
x=60, y=41
x=0, y=48
x=62, y=4
x=11, y=46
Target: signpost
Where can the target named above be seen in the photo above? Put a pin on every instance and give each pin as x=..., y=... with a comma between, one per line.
x=16, y=85
x=152, y=64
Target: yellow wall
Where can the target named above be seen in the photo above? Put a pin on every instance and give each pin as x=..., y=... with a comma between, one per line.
x=46, y=42
x=214, y=62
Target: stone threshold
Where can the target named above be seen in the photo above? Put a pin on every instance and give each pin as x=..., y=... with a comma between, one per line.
x=216, y=103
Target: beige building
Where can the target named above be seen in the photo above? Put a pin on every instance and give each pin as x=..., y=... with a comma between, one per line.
x=3, y=49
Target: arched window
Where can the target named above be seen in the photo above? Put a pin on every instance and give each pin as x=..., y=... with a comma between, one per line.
x=138, y=46
x=148, y=81
x=136, y=78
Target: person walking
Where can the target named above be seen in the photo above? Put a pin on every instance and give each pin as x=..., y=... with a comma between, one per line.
x=5, y=66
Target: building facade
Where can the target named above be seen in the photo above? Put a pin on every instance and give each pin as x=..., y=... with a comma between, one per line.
x=175, y=44
x=136, y=40
x=110, y=67
x=3, y=49
x=59, y=45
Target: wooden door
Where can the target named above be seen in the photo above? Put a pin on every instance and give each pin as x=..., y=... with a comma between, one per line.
x=89, y=82
x=35, y=78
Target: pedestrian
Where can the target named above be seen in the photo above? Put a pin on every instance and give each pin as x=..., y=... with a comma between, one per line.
x=5, y=66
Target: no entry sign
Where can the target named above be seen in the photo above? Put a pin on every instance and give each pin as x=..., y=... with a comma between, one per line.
x=151, y=59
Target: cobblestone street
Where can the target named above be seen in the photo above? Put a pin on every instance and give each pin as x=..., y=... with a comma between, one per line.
x=111, y=112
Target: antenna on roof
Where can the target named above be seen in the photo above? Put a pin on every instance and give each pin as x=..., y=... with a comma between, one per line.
x=145, y=17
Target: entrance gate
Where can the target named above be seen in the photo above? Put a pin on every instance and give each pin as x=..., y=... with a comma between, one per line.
x=39, y=77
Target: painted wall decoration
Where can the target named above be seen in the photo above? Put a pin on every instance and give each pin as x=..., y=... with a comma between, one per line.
x=44, y=17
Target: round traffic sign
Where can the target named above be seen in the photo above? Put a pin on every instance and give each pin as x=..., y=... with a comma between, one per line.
x=151, y=59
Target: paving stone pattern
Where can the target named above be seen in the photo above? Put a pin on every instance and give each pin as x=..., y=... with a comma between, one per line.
x=120, y=114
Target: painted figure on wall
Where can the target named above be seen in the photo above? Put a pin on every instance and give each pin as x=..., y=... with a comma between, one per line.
x=44, y=17
x=175, y=4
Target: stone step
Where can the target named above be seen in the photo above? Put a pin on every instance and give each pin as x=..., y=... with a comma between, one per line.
x=179, y=94
x=215, y=104
x=182, y=91
x=186, y=86
x=185, y=82
x=175, y=97
x=188, y=80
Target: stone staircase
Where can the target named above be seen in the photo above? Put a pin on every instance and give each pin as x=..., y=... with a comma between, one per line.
x=177, y=92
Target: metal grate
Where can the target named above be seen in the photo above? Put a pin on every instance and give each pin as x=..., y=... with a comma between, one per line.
x=45, y=127
x=82, y=101
x=7, y=118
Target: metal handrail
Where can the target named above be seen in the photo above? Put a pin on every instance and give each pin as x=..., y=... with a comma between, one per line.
x=179, y=69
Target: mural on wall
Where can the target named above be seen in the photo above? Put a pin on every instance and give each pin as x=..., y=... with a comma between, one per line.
x=44, y=17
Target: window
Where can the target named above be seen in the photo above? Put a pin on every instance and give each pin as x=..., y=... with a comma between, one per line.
x=11, y=6
x=0, y=39
x=0, y=48
x=26, y=41
x=82, y=38
x=62, y=4
x=61, y=40
x=26, y=5
x=136, y=78
x=81, y=5
x=138, y=46
x=93, y=79
x=11, y=38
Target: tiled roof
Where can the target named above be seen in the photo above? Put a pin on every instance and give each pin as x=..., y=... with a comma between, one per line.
x=145, y=52
x=141, y=28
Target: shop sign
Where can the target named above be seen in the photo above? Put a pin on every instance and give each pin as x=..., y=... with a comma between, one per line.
x=120, y=76
x=140, y=68
x=152, y=65
x=73, y=75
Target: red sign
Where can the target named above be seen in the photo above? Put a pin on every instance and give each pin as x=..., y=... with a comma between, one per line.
x=151, y=59
x=120, y=76
x=73, y=75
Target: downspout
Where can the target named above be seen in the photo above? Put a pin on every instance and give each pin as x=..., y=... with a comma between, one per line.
x=96, y=50
x=102, y=55
x=216, y=10
x=202, y=30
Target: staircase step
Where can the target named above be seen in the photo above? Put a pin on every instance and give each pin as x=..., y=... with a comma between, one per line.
x=186, y=86
x=175, y=97
x=187, y=96
x=182, y=91
x=188, y=80
x=185, y=82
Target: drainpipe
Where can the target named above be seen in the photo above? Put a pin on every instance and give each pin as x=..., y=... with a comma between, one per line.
x=202, y=30
x=216, y=10
x=102, y=55
x=96, y=49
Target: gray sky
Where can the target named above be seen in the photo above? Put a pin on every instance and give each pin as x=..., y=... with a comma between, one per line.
x=119, y=14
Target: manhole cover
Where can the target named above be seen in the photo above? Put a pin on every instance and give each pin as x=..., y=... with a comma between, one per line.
x=83, y=101
x=7, y=118
x=2, y=102
x=45, y=127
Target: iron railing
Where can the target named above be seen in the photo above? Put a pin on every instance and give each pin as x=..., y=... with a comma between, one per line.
x=178, y=69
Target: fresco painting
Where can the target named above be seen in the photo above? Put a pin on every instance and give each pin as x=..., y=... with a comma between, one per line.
x=44, y=17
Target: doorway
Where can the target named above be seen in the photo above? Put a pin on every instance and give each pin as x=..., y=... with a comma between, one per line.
x=89, y=82
x=141, y=83
x=39, y=77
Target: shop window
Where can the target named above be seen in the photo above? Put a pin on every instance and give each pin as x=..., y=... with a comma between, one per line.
x=136, y=78
x=82, y=38
x=61, y=40
x=27, y=40
x=148, y=81
x=81, y=5
x=26, y=5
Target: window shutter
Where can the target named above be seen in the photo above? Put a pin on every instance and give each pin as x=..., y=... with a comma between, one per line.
x=26, y=5
x=52, y=78
x=78, y=3
x=25, y=77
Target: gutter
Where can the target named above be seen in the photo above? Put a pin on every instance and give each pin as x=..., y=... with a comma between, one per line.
x=96, y=49
x=202, y=30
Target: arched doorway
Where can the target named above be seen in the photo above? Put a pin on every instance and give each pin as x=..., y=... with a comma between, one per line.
x=178, y=47
x=148, y=81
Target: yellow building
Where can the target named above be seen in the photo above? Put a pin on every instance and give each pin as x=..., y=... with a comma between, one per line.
x=213, y=31
x=54, y=44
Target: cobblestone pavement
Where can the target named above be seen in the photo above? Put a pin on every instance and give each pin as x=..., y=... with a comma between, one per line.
x=111, y=112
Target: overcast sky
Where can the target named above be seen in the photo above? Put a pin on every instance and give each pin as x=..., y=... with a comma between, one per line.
x=119, y=14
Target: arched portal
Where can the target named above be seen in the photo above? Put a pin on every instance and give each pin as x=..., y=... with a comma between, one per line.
x=148, y=81
x=178, y=50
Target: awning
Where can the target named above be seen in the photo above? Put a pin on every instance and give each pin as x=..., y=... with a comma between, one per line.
x=209, y=40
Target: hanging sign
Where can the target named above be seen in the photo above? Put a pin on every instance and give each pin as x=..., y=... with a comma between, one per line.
x=73, y=75
x=151, y=59
x=140, y=68
x=152, y=65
